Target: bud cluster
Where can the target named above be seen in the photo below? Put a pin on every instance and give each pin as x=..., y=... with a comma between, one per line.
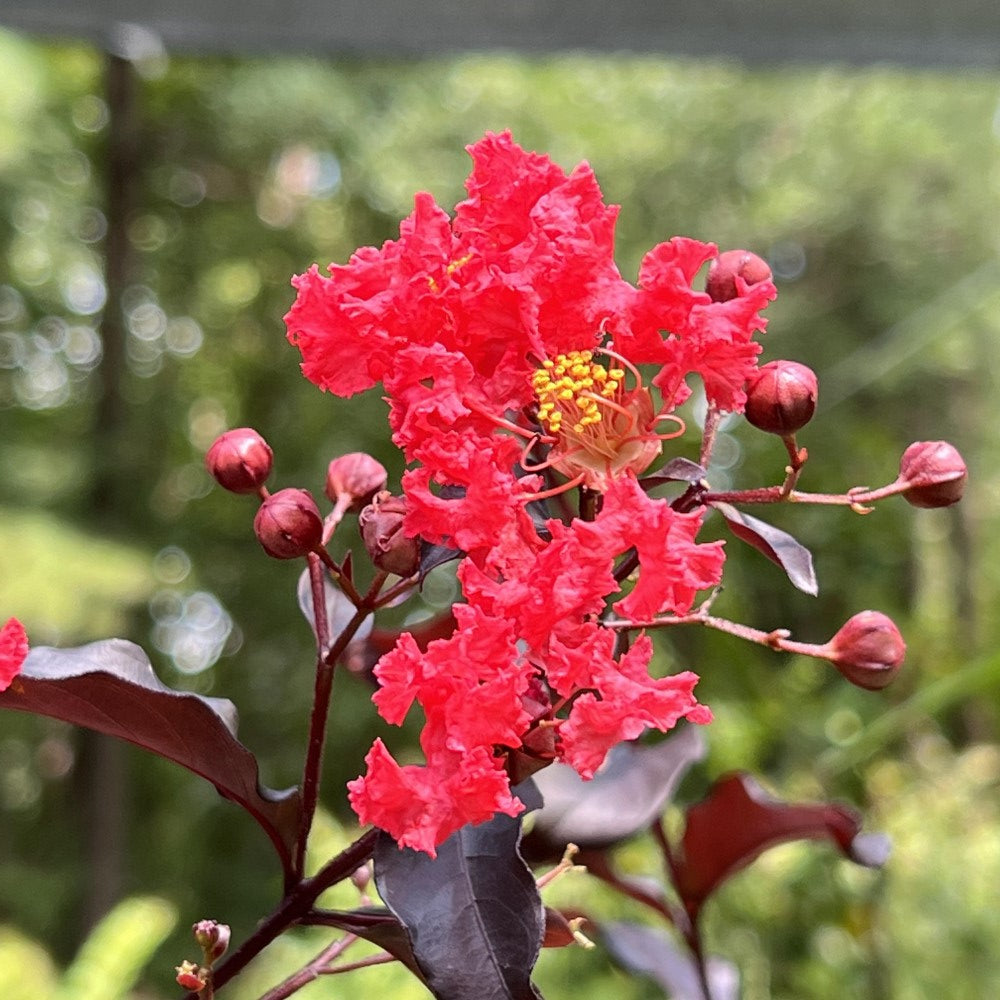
x=288, y=524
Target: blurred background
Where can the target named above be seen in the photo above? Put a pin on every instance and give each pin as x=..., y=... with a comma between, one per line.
x=152, y=212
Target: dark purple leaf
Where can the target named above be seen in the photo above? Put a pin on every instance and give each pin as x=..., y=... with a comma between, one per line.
x=625, y=796
x=777, y=545
x=110, y=687
x=473, y=913
x=432, y=556
x=738, y=821
x=652, y=952
x=677, y=470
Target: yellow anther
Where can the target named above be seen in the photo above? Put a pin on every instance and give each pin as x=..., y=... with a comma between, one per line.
x=456, y=264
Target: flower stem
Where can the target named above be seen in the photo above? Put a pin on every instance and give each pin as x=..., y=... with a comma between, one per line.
x=712, y=419
x=322, y=691
x=776, y=639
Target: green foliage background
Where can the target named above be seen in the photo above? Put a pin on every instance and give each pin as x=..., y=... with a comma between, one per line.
x=875, y=196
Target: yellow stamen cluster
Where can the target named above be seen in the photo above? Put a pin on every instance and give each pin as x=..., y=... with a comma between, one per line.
x=569, y=390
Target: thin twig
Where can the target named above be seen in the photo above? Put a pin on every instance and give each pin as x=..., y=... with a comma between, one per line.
x=298, y=901
x=311, y=970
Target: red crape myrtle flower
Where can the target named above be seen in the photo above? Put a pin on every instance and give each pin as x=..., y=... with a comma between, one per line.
x=13, y=650
x=507, y=344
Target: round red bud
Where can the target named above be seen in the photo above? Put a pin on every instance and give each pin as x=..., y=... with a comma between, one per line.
x=935, y=472
x=721, y=282
x=781, y=397
x=381, y=524
x=355, y=475
x=868, y=650
x=288, y=524
x=240, y=460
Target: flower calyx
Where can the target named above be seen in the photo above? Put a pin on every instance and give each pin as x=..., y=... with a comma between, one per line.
x=381, y=524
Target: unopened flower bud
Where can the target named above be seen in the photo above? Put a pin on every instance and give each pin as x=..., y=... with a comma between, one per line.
x=721, y=281
x=240, y=460
x=781, y=397
x=288, y=524
x=355, y=475
x=381, y=525
x=935, y=472
x=191, y=977
x=868, y=650
x=213, y=938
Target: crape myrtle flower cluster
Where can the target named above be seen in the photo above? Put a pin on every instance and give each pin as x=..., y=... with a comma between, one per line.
x=507, y=343
x=522, y=369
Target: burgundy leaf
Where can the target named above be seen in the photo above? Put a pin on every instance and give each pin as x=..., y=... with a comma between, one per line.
x=110, y=687
x=779, y=546
x=652, y=952
x=473, y=913
x=738, y=821
x=623, y=798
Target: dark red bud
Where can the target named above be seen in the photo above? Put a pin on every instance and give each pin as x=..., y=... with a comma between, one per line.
x=381, y=525
x=868, y=650
x=213, y=938
x=781, y=397
x=721, y=281
x=288, y=524
x=936, y=474
x=355, y=475
x=240, y=460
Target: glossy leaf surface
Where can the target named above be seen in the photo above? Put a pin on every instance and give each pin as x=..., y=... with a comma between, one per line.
x=779, y=546
x=738, y=821
x=110, y=687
